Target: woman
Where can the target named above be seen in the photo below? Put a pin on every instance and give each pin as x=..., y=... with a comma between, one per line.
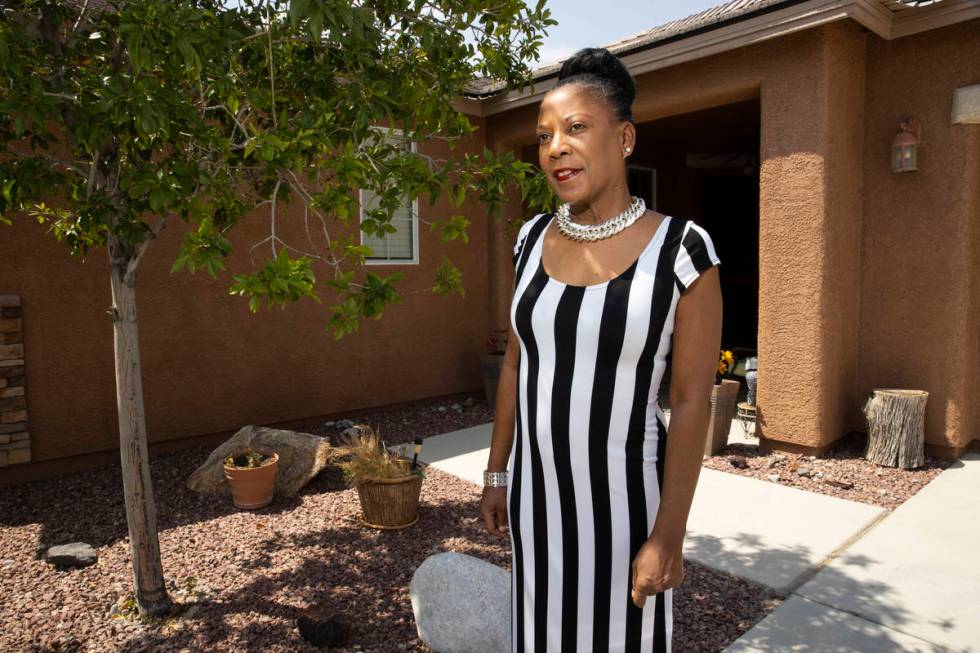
x=597, y=495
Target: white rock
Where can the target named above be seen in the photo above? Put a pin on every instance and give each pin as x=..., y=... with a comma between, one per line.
x=462, y=604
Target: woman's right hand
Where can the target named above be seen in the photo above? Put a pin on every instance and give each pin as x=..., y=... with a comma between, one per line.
x=493, y=506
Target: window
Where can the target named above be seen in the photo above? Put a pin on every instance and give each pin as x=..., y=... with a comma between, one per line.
x=403, y=245
x=642, y=182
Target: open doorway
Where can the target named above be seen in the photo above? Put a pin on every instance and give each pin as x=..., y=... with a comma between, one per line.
x=705, y=167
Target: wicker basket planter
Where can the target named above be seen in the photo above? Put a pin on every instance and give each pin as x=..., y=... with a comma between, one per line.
x=390, y=503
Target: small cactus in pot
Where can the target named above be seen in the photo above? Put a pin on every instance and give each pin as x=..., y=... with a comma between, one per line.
x=251, y=475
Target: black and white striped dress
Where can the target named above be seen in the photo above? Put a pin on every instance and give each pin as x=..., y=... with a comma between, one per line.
x=587, y=462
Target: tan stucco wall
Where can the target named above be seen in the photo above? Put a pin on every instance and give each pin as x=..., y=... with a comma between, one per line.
x=920, y=307
x=209, y=365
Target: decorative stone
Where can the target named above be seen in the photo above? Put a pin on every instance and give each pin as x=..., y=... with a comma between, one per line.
x=844, y=485
x=12, y=416
x=738, y=462
x=323, y=631
x=773, y=477
x=9, y=324
x=9, y=300
x=13, y=428
x=18, y=456
x=804, y=472
x=11, y=352
x=12, y=403
x=301, y=457
x=11, y=372
x=462, y=604
x=11, y=392
x=75, y=554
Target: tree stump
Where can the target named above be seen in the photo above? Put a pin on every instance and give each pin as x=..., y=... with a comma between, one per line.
x=896, y=427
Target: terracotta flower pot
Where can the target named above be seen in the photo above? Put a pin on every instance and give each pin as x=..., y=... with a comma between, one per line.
x=253, y=487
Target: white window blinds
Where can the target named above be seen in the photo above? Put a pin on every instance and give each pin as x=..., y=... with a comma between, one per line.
x=401, y=246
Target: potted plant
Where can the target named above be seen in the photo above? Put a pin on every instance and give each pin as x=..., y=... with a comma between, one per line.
x=251, y=475
x=388, y=485
x=724, y=396
x=490, y=362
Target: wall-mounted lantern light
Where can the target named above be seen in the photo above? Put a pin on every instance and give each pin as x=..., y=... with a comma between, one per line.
x=905, y=146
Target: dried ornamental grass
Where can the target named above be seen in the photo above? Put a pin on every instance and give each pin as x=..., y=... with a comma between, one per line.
x=366, y=459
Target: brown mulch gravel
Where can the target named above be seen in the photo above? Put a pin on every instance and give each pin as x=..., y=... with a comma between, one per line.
x=843, y=472
x=242, y=578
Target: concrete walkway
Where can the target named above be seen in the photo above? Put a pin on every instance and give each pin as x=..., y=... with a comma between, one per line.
x=912, y=583
x=857, y=578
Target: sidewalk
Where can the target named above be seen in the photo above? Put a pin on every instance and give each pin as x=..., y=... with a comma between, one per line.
x=857, y=579
x=912, y=583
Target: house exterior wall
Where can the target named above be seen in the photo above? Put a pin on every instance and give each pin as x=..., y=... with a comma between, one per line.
x=920, y=273
x=209, y=365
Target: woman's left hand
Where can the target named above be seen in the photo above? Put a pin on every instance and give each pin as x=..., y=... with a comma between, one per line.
x=658, y=566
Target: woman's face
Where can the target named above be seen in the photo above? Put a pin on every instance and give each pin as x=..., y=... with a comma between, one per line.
x=581, y=145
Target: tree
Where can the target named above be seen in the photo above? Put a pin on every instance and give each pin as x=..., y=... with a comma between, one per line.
x=118, y=117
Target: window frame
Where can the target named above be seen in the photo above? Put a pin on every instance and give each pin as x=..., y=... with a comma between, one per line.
x=653, y=181
x=414, y=209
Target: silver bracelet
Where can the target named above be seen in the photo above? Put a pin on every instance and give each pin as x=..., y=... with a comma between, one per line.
x=495, y=479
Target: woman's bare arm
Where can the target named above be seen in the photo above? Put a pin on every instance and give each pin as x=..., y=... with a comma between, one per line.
x=696, y=343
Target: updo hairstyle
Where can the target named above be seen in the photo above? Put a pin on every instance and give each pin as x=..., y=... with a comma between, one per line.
x=602, y=72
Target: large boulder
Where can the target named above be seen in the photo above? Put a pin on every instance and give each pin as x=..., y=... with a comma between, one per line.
x=301, y=457
x=462, y=604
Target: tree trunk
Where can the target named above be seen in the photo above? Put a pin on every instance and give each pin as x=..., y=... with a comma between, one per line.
x=896, y=427
x=144, y=544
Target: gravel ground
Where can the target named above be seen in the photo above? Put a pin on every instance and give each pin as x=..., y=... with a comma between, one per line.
x=242, y=578
x=843, y=472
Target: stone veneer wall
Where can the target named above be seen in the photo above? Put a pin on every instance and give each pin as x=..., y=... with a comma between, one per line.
x=15, y=441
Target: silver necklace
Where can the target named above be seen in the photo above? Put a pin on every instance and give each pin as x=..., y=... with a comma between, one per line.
x=604, y=229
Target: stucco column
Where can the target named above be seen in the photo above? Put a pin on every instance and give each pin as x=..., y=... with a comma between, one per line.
x=810, y=245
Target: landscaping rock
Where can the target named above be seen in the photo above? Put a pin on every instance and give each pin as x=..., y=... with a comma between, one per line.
x=738, y=461
x=301, y=457
x=74, y=554
x=319, y=631
x=773, y=477
x=776, y=460
x=845, y=485
x=462, y=604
